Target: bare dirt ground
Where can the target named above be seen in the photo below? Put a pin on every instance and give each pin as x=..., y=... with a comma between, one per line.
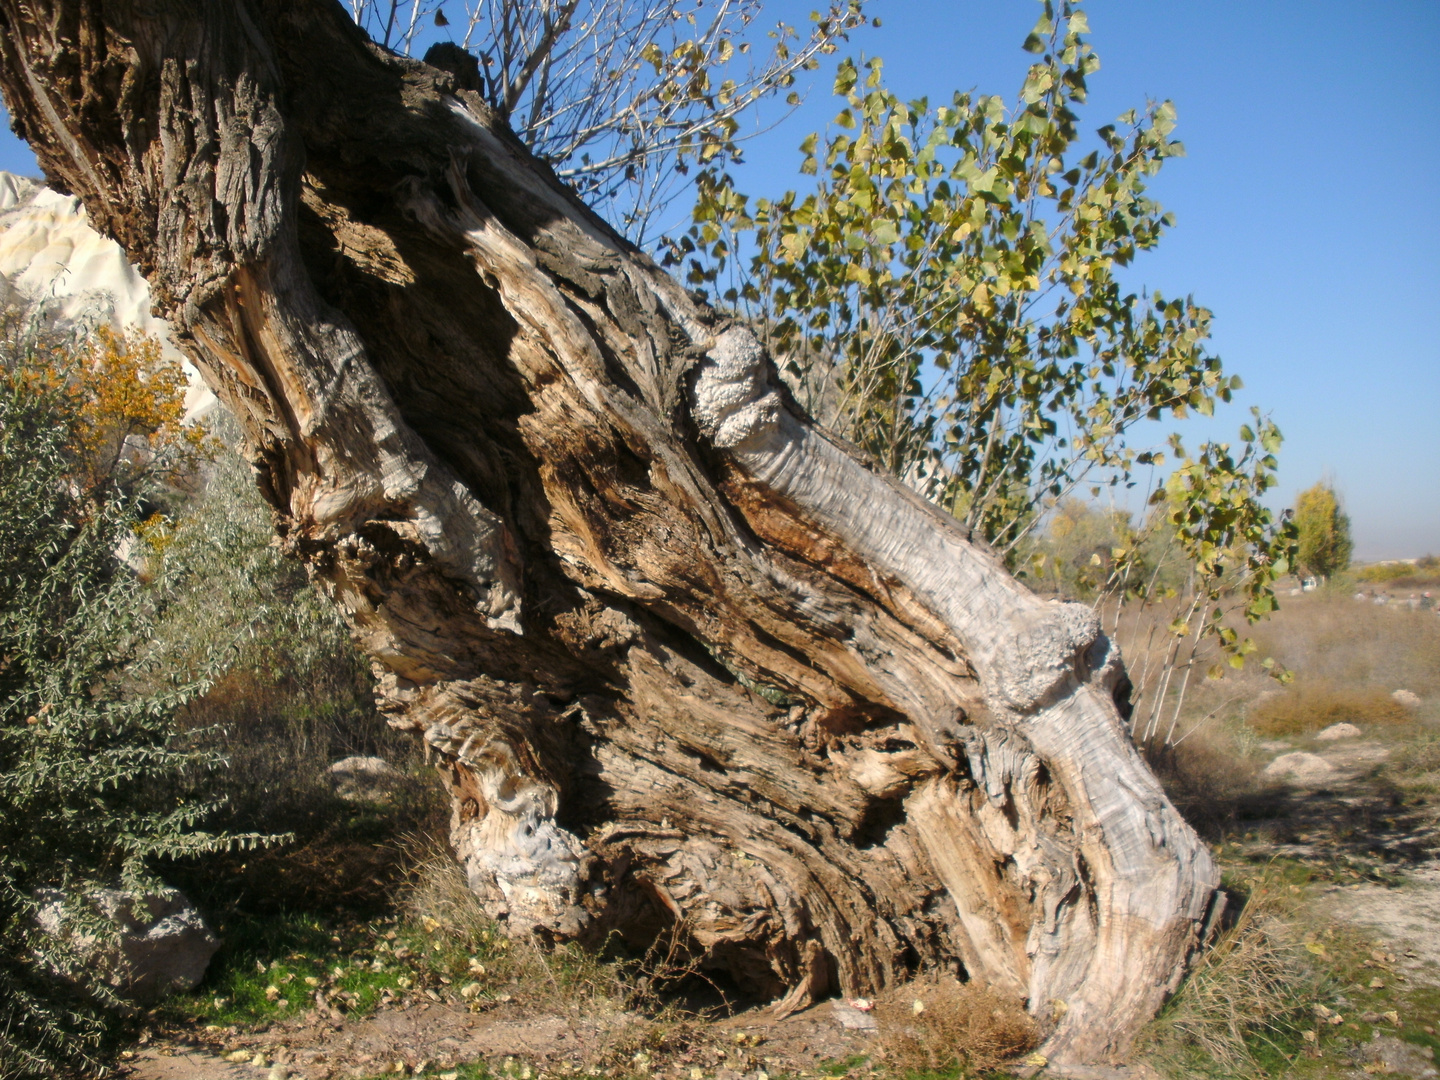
x=1407, y=916
x=1346, y=813
x=1352, y=812
x=1357, y=811
x=433, y=1038
x=1356, y=814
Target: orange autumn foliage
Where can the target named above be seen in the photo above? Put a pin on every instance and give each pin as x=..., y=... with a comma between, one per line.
x=124, y=402
x=131, y=411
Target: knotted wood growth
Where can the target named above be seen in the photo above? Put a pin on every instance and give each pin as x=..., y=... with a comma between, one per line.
x=682, y=656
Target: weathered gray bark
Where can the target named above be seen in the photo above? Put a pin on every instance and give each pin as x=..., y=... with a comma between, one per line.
x=681, y=655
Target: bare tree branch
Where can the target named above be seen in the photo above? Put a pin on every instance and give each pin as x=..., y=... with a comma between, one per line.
x=623, y=97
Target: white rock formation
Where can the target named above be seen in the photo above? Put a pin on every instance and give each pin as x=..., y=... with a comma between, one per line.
x=1406, y=698
x=162, y=945
x=50, y=255
x=1341, y=730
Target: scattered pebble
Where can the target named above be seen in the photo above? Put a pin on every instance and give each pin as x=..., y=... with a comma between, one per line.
x=853, y=1018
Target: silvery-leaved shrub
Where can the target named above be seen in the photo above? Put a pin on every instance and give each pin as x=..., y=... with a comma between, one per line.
x=96, y=785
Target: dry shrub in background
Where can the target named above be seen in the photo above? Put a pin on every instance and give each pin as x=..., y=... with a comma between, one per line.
x=292, y=694
x=1418, y=765
x=1253, y=989
x=1311, y=705
x=288, y=695
x=938, y=1023
x=1208, y=774
x=1356, y=644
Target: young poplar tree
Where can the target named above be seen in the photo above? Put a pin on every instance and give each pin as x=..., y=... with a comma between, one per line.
x=1324, y=531
x=952, y=297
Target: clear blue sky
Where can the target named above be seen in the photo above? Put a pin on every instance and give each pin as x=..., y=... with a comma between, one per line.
x=1308, y=207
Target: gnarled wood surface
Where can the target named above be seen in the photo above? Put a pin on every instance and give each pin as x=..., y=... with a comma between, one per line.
x=682, y=656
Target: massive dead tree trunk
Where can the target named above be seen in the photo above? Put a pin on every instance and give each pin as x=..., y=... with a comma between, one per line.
x=683, y=656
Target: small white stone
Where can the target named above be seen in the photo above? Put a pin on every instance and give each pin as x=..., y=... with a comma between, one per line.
x=363, y=779
x=1301, y=767
x=1339, y=731
x=1406, y=698
x=853, y=1018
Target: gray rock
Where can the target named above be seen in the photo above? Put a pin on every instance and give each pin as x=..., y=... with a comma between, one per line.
x=1339, y=731
x=364, y=779
x=1389, y=1056
x=852, y=1018
x=160, y=944
x=1300, y=767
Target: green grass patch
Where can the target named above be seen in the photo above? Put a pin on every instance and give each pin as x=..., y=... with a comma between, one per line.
x=843, y=1065
x=270, y=968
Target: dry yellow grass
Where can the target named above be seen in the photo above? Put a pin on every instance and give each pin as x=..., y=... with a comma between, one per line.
x=1355, y=644
x=567, y=977
x=1312, y=705
x=1208, y=775
x=938, y=1023
x=1249, y=989
x=1347, y=657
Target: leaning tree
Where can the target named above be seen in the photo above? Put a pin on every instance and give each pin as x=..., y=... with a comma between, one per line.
x=686, y=660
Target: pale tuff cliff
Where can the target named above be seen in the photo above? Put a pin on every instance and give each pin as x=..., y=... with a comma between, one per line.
x=50, y=257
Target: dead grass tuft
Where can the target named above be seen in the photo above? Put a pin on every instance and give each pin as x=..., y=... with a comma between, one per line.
x=1417, y=766
x=938, y=1023
x=1314, y=705
x=616, y=1003
x=1208, y=775
x=437, y=889
x=561, y=978
x=1249, y=994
